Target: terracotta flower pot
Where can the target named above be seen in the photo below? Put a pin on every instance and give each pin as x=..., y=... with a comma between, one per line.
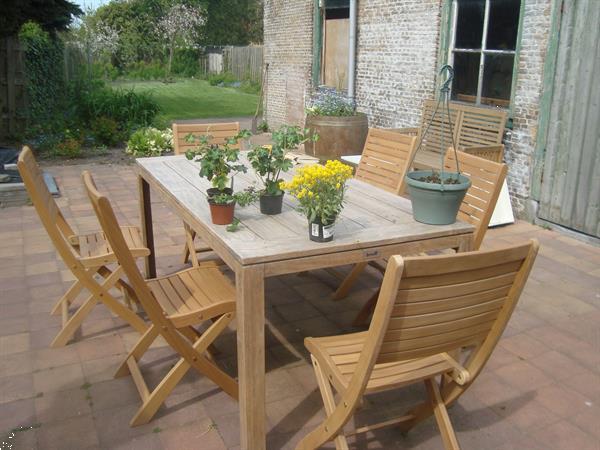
x=222, y=214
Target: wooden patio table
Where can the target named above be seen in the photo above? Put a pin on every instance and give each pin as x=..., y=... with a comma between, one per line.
x=374, y=224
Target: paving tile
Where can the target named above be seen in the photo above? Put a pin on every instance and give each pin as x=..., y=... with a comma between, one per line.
x=16, y=387
x=188, y=437
x=14, y=343
x=561, y=400
x=18, y=414
x=565, y=436
x=73, y=433
x=58, y=378
x=523, y=375
x=16, y=364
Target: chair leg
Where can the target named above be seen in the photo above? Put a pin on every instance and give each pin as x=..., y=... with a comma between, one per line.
x=328, y=401
x=344, y=288
x=74, y=322
x=441, y=415
x=68, y=297
x=362, y=317
x=138, y=350
x=156, y=398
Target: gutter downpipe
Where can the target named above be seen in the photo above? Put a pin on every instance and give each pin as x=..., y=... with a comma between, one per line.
x=352, y=49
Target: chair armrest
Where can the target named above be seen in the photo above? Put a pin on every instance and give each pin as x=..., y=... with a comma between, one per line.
x=492, y=152
x=412, y=131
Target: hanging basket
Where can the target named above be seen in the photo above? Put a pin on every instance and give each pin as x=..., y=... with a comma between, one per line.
x=433, y=202
x=436, y=203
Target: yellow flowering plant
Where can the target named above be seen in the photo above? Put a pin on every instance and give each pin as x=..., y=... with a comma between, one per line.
x=320, y=190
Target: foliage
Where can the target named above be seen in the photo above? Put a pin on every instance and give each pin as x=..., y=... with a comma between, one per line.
x=105, y=131
x=233, y=22
x=241, y=198
x=263, y=126
x=320, y=190
x=330, y=102
x=45, y=84
x=234, y=225
x=143, y=70
x=150, y=142
x=218, y=163
x=128, y=108
x=223, y=78
x=104, y=70
x=94, y=37
x=269, y=161
x=69, y=146
x=201, y=99
x=185, y=62
x=250, y=87
x=179, y=28
x=50, y=15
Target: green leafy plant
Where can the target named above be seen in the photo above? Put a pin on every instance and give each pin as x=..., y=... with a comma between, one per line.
x=263, y=126
x=269, y=161
x=241, y=198
x=150, y=142
x=105, y=131
x=218, y=162
x=224, y=78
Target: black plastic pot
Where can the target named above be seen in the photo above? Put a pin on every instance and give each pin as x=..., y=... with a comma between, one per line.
x=320, y=233
x=271, y=204
x=211, y=192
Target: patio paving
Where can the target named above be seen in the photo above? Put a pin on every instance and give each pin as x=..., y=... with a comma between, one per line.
x=540, y=390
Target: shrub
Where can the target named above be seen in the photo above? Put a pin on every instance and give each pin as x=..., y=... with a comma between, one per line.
x=142, y=70
x=216, y=79
x=185, y=63
x=104, y=70
x=69, y=146
x=105, y=131
x=250, y=87
x=150, y=142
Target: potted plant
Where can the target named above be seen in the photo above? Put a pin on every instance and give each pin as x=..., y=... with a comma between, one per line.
x=342, y=130
x=269, y=161
x=219, y=164
x=436, y=196
x=320, y=193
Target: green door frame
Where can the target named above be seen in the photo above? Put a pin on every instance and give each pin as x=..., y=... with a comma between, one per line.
x=539, y=154
x=317, y=43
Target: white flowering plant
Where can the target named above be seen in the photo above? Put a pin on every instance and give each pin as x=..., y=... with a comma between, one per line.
x=150, y=142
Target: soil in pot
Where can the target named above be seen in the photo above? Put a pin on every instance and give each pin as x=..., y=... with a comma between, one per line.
x=271, y=204
x=436, y=203
x=222, y=214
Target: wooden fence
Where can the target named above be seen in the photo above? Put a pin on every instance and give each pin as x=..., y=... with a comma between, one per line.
x=12, y=88
x=246, y=63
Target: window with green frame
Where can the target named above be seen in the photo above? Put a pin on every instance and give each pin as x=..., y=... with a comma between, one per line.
x=483, y=45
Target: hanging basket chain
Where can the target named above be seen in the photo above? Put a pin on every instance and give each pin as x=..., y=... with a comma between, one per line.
x=444, y=97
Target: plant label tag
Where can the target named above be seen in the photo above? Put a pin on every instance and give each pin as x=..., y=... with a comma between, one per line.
x=314, y=229
x=328, y=231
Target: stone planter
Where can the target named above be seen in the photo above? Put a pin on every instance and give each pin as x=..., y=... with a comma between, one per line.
x=338, y=136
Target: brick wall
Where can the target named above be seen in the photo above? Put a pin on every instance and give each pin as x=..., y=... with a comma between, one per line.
x=520, y=142
x=396, y=59
x=397, y=52
x=288, y=28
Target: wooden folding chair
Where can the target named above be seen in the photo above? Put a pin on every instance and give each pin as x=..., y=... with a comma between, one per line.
x=476, y=208
x=383, y=163
x=86, y=256
x=218, y=134
x=174, y=304
x=436, y=316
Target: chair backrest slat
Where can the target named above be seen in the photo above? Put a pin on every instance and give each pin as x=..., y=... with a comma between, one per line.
x=472, y=126
x=449, y=301
x=385, y=159
x=218, y=132
x=487, y=178
x=54, y=222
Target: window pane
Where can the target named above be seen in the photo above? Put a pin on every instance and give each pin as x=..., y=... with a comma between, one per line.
x=497, y=78
x=466, y=73
x=469, y=24
x=503, y=24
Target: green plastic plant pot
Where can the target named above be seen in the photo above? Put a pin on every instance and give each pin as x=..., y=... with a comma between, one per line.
x=435, y=203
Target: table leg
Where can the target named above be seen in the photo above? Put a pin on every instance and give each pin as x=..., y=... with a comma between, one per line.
x=147, y=232
x=250, y=287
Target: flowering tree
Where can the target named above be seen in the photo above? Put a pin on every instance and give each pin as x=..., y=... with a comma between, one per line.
x=180, y=28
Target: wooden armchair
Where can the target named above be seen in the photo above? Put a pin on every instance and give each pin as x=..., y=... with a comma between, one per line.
x=476, y=208
x=174, y=305
x=430, y=308
x=219, y=133
x=86, y=255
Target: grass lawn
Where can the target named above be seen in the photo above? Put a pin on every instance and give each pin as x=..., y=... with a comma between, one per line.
x=195, y=99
